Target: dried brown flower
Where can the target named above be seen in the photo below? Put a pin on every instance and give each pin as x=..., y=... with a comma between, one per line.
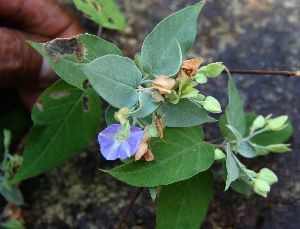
x=164, y=84
x=189, y=69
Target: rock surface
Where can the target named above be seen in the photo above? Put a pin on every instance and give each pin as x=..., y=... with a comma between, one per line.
x=262, y=35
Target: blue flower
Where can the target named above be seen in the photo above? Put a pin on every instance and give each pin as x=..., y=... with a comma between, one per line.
x=115, y=144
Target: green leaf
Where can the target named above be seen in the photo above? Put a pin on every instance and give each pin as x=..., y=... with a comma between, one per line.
x=231, y=166
x=15, y=121
x=12, y=224
x=147, y=106
x=159, y=46
x=13, y=195
x=184, y=204
x=103, y=12
x=234, y=110
x=60, y=55
x=241, y=187
x=115, y=79
x=153, y=192
x=237, y=136
x=180, y=155
x=247, y=150
x=159, y=63
x=183, y=114
x=65, y=121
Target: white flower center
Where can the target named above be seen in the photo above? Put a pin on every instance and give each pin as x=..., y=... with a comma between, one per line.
x=120, y=138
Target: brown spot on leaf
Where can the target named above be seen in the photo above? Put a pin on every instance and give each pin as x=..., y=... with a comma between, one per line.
x=39, y=105
x=110, y=20
x=97, y=6
x=85, y=103
x=61, y=47
x=59, y=94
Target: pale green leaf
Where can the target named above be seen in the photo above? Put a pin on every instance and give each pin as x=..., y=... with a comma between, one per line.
x=13, y=195
x=184, y=204
x=180, y=155
x=65, y=121
x=231, y=166
x=147, y=106
x=238, y=137
x=65, y=65
x=247, y=150
x=241, y=187
x=115, y=79
x=183, y=114
x=160, y=43
x=234, y=110
x=103, y=12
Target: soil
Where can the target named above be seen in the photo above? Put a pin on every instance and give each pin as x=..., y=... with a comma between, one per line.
x=262, y=35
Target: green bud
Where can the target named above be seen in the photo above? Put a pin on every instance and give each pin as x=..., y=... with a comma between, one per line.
x=277, y=124
x=279, y=148
x=219, y=155
x=251, y=173
x=200, y=77
x=268, y=117
x=6, y=138
x=152, y=131
x=211, y=104
x=121, y=116
x=187, y=89
x=258, y=123
x=200, y=97
x=214, y=69
x=261, y=187
x=267, y=175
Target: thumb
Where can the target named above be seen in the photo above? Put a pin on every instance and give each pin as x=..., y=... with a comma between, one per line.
x=20, y=64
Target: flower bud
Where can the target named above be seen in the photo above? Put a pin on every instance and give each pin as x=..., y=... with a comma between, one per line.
x=187, y=89
x=267, y=175
x=219, y=155
x=200, y=77
x=214, y=69
x=277, y=124
x=258, y=123
x=121, y=116
x=261, y=187
x=211, y=104
x=279, y=148
x=152, y=131
x=251, y=173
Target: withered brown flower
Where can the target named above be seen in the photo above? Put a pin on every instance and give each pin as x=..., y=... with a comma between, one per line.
x=189, y=69
x=164, y=84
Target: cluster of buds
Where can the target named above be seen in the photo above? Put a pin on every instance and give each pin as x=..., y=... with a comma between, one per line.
x=262, y=181
x=262, y=124
x=183, y=87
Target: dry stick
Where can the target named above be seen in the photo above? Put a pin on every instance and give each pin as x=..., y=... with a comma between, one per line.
x=127, y=210
x=283, y=73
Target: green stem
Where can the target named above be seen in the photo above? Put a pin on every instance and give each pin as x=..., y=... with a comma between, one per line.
x=242, y=167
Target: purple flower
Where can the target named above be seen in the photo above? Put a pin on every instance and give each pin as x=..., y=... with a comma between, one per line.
x=115, y=144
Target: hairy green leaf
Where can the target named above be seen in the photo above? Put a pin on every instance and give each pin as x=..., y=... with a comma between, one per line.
x=235, y=111
x=231, y=166
x=65, y=121
x=180, y=155
x=183, y=114
x=160, y=44
x=184, y=204
x=241, y=187
x=237, y=136
x=147, y=106
x=63, y=54
x=103, y=12
x=115, y=79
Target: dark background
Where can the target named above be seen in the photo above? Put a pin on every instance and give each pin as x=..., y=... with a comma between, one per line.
x=256, y=34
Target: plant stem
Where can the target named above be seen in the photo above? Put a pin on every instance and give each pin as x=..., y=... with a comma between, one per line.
x=135, y=196
x=283, y=73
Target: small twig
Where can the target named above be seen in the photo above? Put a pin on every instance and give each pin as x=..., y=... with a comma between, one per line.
x=127, y=210
x=283, y=73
